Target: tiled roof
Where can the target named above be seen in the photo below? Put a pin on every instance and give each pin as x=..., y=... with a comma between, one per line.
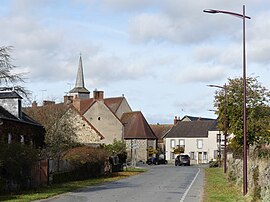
x=136, y=127
x=113, y=103
x=4, y=114
x=191, y=129
x=85, y=104
x=194, y=118
x=79, y=90
x=9, y=94
x=160, y=129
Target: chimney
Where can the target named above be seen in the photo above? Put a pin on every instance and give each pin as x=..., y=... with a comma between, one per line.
x=34, y=104
x=98, y=95
x=68, y=99
x=47, y=102
x=176, y=120
x=77, y=104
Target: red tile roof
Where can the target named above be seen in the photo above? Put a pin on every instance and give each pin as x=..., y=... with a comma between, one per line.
x=136, y=126
x=113, y=103
x=160, y=129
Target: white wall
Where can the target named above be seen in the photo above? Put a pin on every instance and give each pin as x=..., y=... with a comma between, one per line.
x=207, y=151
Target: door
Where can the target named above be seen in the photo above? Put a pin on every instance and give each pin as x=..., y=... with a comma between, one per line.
x=200, y=157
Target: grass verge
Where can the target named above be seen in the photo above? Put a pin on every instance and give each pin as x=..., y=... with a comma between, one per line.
x=56, y=189
x=217, y=187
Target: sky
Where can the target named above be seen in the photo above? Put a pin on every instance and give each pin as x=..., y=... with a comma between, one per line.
x=160, y=54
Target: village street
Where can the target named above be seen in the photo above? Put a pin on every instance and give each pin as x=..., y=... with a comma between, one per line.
x=160, y=184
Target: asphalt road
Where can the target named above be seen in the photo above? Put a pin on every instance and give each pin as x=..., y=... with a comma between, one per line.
x=161, y=183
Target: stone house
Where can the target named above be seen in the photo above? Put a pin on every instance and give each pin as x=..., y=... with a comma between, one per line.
x=138, y=136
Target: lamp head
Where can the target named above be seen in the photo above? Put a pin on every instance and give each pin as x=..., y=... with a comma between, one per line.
x=210, y=11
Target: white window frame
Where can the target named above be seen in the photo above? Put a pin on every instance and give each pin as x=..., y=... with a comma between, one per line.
x=172, y=143
x=199, y=143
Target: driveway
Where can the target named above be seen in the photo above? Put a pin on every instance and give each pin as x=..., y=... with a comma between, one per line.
x=160, y=184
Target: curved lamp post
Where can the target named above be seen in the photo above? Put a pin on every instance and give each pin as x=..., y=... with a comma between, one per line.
x=225, y=123
x=243, y=16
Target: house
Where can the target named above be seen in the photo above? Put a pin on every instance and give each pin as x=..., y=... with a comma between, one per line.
x=199, y=137
x=138, y=135
x=100, y=120
x=100, y=116
x=15, y=125
x=160, y=130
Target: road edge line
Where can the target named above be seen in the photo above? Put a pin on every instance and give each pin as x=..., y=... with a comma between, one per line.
x=186, y=192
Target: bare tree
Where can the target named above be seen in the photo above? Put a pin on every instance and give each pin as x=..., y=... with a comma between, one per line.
x=9, y=79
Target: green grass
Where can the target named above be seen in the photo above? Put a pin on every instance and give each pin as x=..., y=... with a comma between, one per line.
x=217, y=188
x=46, y=192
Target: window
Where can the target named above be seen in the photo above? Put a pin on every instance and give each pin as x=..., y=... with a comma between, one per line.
x=199, y=144
x=22, y=139
x=215, y=154
x=182, y=143
x=172, y=156
x=204, y=155
x=9, y=138
x=172, y=143
x=192, y=156
x=218, y=138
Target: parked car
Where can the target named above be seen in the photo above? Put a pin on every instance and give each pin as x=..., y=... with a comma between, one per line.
x=156, y=161
x=182, y=159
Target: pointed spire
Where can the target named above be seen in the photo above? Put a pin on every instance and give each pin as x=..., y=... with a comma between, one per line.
x=79, y=91
x=80, y=76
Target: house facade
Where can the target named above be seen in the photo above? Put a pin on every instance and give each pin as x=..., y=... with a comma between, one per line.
x=15, y=125
x=199, y=138
x=139, y=136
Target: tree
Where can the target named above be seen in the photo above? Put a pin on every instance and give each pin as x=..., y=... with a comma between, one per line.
x=7, y=76
x=257, y=111
x=117, y=147
x=60, y=132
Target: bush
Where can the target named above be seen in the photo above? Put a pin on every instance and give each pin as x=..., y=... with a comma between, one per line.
x=15, y=168
x=86, y=171
x=213, y=164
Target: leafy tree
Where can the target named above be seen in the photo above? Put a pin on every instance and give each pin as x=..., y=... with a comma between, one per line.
x=257, y=111
x=117, y=147
x=7, y=76
x=60, y=132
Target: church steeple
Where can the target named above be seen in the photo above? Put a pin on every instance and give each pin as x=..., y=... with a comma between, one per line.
x=79, y=90
x=80, y=76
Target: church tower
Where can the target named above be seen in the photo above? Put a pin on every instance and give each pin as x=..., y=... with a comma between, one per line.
x=79, y=91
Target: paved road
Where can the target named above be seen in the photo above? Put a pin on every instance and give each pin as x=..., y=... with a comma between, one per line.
x=160, y=184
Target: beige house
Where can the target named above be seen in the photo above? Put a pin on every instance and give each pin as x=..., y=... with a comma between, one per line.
x=199, y=137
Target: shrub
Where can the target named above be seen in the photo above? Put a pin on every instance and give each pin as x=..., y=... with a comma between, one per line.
x=213, y=164
x=15, y=169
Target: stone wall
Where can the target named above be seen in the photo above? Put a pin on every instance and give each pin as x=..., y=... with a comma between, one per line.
x=258, y=176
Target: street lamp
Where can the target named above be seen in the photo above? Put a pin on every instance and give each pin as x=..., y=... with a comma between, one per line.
x=243, y=16
x=225, y=123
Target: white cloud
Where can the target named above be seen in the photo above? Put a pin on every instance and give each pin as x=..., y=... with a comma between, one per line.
x=195, y=74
